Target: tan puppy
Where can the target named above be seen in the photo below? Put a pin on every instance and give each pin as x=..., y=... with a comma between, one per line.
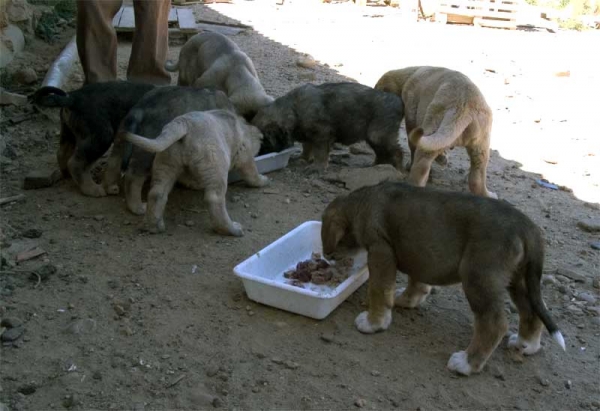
x=212, y=60
x=212, y=143
x=441, y=238
x=443, y=109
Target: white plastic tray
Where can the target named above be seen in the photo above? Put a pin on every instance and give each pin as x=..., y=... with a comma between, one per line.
x=266, y=163
x=262, y=274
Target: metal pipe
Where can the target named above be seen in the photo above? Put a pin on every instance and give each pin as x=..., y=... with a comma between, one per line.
x=61, y=68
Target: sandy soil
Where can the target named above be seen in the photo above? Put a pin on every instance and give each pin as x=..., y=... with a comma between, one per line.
x=119, y=319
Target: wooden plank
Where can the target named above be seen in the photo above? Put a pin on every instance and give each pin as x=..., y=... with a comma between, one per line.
x=478, y=4
x=127, y=22
x=187, y=21
x=499, y=24
x=477, y=13
x=117, y=17
x=457, y=18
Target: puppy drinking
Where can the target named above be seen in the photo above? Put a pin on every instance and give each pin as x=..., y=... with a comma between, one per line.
x=211, y=144
x=212, y=60
x=443, y=109
x=90, y=118
x=147, y=118
x=318, y=116
x=442, y=238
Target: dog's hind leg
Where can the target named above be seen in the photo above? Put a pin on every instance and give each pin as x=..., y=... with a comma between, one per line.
x=479, y=156
x=214, y=195
x=81, y=172
x=382, y=281
x=421, y=166
x=527, y=341
x=386, y=144
x=484, y=291
x=133, y=185
x=413, y=295
x=307, y=151
x=163, y=179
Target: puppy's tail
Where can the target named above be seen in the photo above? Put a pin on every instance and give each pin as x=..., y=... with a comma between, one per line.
x=171, y=133
x=533, y=276
x=172, y=66
x=451, y=127
x=51, y=97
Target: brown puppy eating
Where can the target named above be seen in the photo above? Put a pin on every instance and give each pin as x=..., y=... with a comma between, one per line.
x=441, y=238
x=212, y=143
x=443, y=109
x=212, y=60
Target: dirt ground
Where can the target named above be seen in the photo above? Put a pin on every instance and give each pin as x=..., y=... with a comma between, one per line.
x=119, y=319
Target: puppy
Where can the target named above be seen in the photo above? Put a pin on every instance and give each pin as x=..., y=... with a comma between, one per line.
x=147, y=118
x=442, y=238
x=443, y=109
x=319, y=116
x=212, y=143
x=212, y=60
x=90, y=118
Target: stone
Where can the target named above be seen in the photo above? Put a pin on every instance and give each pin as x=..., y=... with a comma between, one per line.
x=360, y=402
x=8, y=99
x=568, y=384
x=591, y=225
x=327, y=337
x=572, y=274
x=41, y=179
x=189, y=223
x=32, y=233
x=28, y=388
x=595, y=245
x=82, y=326
x=306, y=61
x=596, y=282
x=25, y=75
x=574, y=309
x=548, y=279
x=543, y=381
x=587, y=297
x=10, y=322
x=360, y=148
x=12, y=334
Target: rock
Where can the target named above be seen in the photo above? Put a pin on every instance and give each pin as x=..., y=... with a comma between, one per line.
x=354, y=178
x=32, y=233
x=572, y=274
x=45, y=272
x=25, y=76
x=212, y=370
x=574, y=309
x=4, y=407
x=8, y=99
x=360, y=402
x=564, y=289
x=189, y=223
x=360, y=148
x=291, y=365
x=201, y=399
x=595, y=245
x=591, y=225
x=97, y=375
x=543, y=381
x=568, y=384
x=375, y=373
x=306, y=61
x=28, y=388
x=41, y=179
x=12, y=43
x=10, y=322
x=596, y=282
x=327, y=337
x=587, y=297
x=217, y=402
x=498, y=373
x=70, y=401
x=548, y=279
x=594, y=310
x=12, y=334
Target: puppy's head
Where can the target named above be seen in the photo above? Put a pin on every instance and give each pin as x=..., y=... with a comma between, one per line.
x=391, y=82
x=336, y=227
x=276, y=127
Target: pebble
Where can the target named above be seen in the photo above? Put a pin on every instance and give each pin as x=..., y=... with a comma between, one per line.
x=591, y=225
x=587, y=297
x=595, y=404
x=568, y=384
x=70, y=401
x=83, y=326
x=217, y=402
x=543, y=381
x=548, y=279
x=375, y=373
x=12, y=334
x=97, y=375
x=27, y=389
x=7, y=98
x=4, y=407
x=10, y=322
x=327, y=337
x=596, y=282
x=253, y=215
x=595, y=245
x=573, y=274
x=212, y=370
x=498, y=373
x=306, y=61
x=26, y=75
x=563, y=289
x=189, y=223
x=575, y=310
x=32, y=233
x=291, y=365
x=360, y=402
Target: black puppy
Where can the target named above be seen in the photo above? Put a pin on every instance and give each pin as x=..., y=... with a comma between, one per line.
x=90, y=118
x=147, y=118
x=318, y=116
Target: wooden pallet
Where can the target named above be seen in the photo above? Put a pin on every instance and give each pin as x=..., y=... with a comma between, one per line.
x=487, y=13
x=181, y=19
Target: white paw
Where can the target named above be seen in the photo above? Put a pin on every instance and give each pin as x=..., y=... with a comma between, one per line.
x=93, y=190
x=113, y=190
x=236, y=230
x=523, y=346
x=139, y=210
x=402, y=300
x=492, y=195
x=459, y=363
x=365, y=326
x=263, y=180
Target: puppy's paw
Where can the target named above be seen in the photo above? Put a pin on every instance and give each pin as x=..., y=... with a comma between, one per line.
x=402, y=299
x=263, y=181
x=459, y=363
x=93, y=190
x=113, y=190
x=364, y=325
x=155, y=226
x=236, y=230
x=492, y=195
x=523, y=346
x=139, y=210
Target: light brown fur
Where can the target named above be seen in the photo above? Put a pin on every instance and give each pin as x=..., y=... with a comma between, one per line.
x=212, y=60
x=486, y=245
x=212, y=143
x=443, y=109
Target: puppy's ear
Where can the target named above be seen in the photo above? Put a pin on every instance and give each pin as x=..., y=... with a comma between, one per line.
x=333, y=229
x=51, y=97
